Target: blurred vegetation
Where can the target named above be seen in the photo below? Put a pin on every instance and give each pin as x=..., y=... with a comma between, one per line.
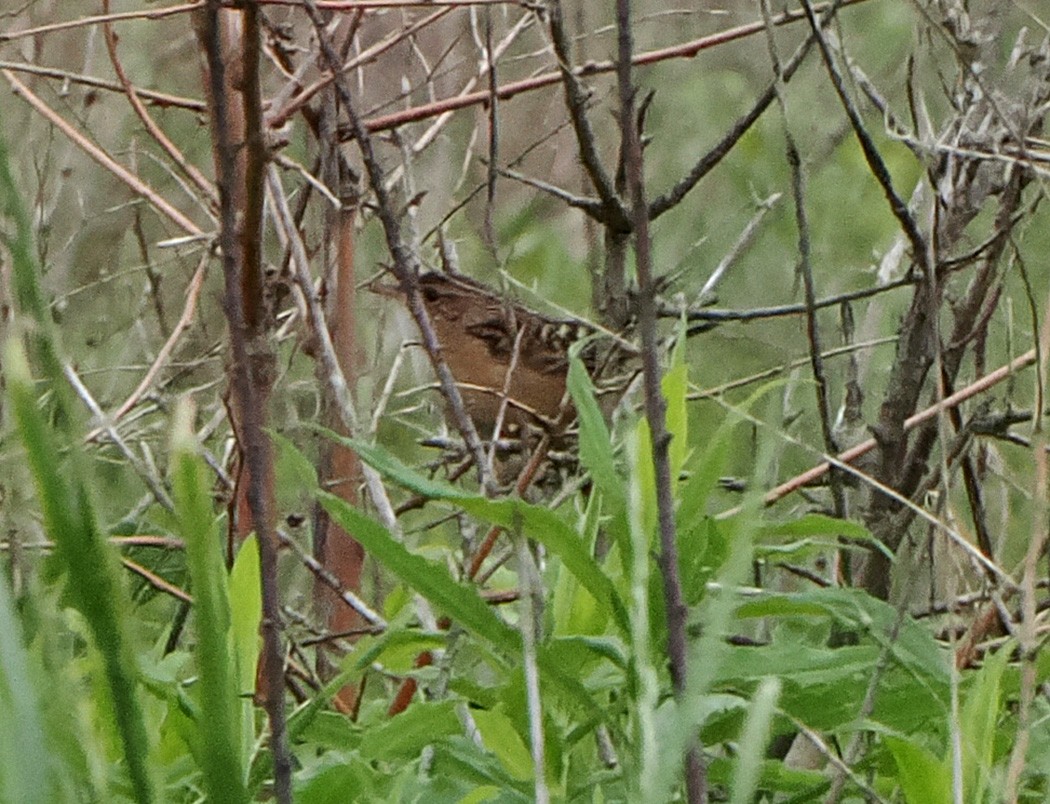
x=113, y=688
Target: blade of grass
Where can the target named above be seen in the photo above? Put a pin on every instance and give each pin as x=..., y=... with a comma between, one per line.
x=462, y=603
x=218, y=727
x=26, y=771
x=93, y=583
x=536, y=522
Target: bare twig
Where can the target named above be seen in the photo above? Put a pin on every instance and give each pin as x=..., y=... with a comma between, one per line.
x=249, y=398
x=614, y=213
x=153, y=97
x=405, y=265
x=851, y=454
x=871, y=153
x=805, y=267
x=154, y=580
x=375, y=621
x=193, y=292
x=153, y=482
x=136, y=184
x=154, y=130
x=655, y=405
x=684, y=51
x=84, y=22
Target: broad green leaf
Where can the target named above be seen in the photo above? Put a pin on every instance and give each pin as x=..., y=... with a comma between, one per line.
x=459, y=601
x=402, y=737
x=462, y=759
x=245, y=598
x=430, y=579
x=820, y=525
x=550, y=530
x=643, y=483
x=575, y=609
x=596, y=452
x=923, y=778
x=816, y=525
x=911, y=645
x=340, y=778
x=801, y=786
x=397, y=648
x=501, y=738
x=675, y=386
x=246, y=613
x=597, y=455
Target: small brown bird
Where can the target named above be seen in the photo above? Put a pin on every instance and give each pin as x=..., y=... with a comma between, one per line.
x=484, y=336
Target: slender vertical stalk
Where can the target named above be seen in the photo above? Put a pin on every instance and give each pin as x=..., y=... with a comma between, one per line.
x=655, y=405
x=249, y=398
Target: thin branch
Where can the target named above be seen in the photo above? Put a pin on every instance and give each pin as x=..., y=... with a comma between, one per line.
x=871, y=153
x=687, y=50
x=737, y=249
x=154, y=580
x=155, y=131
x=255, y=444
x=655, y=405
x=285, y=107
x=86, y=22
x=590, y=206
x=154, y=483
x=805, y=267
x=136, y=185
x=375, y=621
x=576, y=101
x=153, y=97
x=778, y=311
x=851, y=454
x=193, y=292
x=405, y=264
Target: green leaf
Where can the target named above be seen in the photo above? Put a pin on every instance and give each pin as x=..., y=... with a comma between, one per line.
x=978, y=721
x=596, y=452
x=245, y=597
x=462, y=759
x=501, y=738
x=26, y=770
x=405, y=735
x=643, y=485
x=218, y=725
x=93, y=581
x=430, y=579
x=575, y=609
x=459, y=601
x=541, y=524
x=924, y=779
x=597, y=455
x=675, y=386
x=912, y=646
x=820, y=525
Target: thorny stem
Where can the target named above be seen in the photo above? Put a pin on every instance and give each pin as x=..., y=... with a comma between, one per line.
x=655, y=406
x=256, y=447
